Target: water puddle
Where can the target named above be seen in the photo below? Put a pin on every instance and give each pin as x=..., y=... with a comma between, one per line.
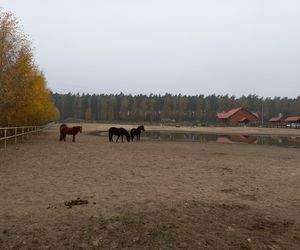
x=285, y=141
x=291, y=141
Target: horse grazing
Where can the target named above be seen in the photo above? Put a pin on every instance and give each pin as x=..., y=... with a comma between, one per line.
x=118, y=132
x=65, y=130
x=136, y=132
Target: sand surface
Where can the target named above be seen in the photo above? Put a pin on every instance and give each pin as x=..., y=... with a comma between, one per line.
x=149, y=194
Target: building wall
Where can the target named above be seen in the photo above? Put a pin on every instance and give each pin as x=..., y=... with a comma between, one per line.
x=234, y=119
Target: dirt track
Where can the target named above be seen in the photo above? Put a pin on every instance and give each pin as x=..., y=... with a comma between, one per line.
x=148, y=194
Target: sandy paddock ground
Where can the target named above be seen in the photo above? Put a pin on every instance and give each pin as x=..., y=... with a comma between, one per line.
x=149, y=194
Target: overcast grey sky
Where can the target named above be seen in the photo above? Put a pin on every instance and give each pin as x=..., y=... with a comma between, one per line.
x=157, y=46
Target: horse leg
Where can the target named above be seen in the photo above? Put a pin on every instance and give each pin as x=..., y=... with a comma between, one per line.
x=122, y=137
x=110, y=137
x=118, y=138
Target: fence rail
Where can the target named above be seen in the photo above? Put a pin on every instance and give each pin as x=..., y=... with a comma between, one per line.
x=24, y=132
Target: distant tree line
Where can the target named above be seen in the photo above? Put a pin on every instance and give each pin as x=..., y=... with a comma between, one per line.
x=154, y=108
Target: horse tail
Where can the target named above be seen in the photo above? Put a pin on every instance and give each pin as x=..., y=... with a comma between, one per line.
x=61, y=128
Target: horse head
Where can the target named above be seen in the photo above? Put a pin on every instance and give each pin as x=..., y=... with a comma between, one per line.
x=127, y=137
x=142, y=127
x=125, y=132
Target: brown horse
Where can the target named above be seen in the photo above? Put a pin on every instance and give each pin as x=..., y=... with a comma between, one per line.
x=65, y=130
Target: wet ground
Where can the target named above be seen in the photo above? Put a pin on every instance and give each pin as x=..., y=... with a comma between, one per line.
x=284, y=141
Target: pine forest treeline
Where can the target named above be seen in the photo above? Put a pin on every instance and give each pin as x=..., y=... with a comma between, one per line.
x=154, y=108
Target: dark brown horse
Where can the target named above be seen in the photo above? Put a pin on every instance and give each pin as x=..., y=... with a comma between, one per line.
x=118, y=132
x=136, y=132
x=65, y=130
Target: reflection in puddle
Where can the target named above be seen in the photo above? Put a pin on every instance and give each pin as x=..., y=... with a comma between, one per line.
x=244, y=139
x=237, y=138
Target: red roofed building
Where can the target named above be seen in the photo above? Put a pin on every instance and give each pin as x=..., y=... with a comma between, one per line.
x=276, y=119
x=295, y=119
x=237, y=116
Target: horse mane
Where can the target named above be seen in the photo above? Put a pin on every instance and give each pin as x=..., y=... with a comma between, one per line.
x=78, y=127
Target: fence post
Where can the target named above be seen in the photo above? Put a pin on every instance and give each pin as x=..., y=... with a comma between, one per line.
x=5, y=138
x=16, y=131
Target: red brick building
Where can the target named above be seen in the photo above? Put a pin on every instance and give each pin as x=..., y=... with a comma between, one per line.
x=237, y=116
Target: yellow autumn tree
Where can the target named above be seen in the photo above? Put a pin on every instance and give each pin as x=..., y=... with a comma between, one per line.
x=24, y=97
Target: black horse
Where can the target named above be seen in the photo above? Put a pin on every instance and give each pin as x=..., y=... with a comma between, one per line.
x=136, y=132
x=119, y=132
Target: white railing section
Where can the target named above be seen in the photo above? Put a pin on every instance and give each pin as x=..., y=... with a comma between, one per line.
x=24, y=132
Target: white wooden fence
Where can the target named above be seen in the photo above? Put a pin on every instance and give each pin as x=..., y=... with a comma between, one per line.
x=13, y=134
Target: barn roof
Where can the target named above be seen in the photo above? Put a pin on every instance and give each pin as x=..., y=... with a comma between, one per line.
x=226, y=115
x=244, y=119
x=292, y=119
x=276, y=119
